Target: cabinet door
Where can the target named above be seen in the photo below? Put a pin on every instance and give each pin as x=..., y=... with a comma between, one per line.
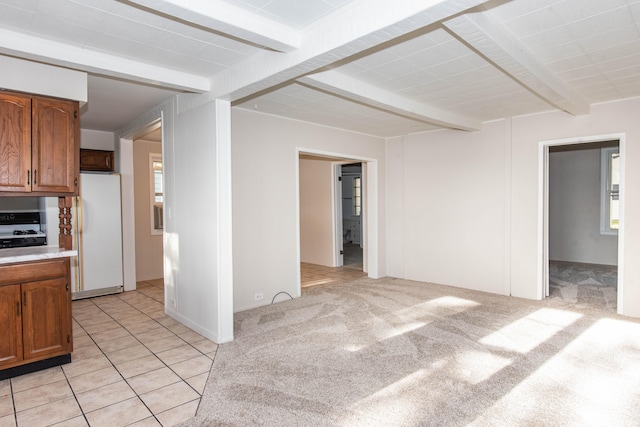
x=55, y=139
x=15, y=143
x=11, y=321
x=46, y=320
x=96, y=160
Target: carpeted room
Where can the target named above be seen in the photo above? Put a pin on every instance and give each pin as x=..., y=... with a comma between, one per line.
x=397, y=352
x=444, y=112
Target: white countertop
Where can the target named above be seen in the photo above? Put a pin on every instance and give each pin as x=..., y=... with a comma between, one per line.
x=33, y=253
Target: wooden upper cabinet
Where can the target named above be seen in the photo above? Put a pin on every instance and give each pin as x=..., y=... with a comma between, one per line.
x=39, y=145
x=96, y=160
x=15, y=142
x=54, y=146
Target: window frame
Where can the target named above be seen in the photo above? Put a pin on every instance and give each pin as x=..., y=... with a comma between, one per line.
x=153, y=204
x=606, y=155
x=357, y=196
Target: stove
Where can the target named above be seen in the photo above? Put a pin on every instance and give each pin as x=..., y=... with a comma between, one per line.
x=20, y=229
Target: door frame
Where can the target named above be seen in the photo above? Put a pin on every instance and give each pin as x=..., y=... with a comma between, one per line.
x=370, y=226
x=338, y=238
x=543, y=212
x=124, y=159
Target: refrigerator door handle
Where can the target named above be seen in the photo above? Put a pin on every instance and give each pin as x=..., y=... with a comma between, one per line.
x=80, y=213
x=79, y=222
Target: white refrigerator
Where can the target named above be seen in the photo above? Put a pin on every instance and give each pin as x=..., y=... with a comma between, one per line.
x=97, y=235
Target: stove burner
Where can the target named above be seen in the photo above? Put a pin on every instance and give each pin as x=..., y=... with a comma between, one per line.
x=21, y=232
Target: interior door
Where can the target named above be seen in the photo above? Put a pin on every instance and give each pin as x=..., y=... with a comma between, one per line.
x=337, y=185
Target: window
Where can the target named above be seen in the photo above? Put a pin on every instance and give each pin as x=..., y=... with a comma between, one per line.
x=357, y=198
x=157, y=193
x=610, y=193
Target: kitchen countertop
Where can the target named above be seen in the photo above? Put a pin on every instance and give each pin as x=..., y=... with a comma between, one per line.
x=33, y=253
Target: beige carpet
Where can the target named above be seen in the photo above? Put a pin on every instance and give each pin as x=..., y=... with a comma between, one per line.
x=584, y=286
x=391, y=352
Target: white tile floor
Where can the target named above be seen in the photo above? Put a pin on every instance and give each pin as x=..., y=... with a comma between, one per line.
x=131, y=366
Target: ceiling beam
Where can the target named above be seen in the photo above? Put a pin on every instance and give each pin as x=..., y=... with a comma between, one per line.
x=482, y=32
x=354, y=28
x=358, y=91
x=64, y=55
x=225, y=18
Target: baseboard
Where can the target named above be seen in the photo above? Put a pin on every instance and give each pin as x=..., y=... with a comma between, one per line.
x=96, y=292
x=211, y=335
x=35, y=366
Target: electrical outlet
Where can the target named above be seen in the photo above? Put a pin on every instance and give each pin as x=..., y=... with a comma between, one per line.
x=259, y=296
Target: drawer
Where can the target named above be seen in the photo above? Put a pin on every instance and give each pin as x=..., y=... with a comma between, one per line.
x=35, y=270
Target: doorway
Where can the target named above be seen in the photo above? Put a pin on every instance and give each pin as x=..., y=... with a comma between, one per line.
x=320, y=203
x=582, y=197
x=148, y=189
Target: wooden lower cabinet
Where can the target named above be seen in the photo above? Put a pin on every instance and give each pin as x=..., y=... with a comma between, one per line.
x=46, y=330
x=11, y=321
x=35, y=311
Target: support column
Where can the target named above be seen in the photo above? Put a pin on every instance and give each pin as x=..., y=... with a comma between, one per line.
x=197, y=171
x=225, y=238
x=65, y=238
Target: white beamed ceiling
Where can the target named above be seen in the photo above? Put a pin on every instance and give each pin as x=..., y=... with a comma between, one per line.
x=372, y=66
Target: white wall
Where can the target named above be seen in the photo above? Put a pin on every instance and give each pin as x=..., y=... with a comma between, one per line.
x=316, y=212
x=42, y=79
x=447, y=212
x=265, y=187
x=197, y=244
x=490, y=181
x=97, y=140
x=574, y=209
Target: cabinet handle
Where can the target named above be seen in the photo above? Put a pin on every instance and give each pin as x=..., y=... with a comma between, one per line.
x=108, y=159
x=25, y=298
x=18, y=308
x=35, y=177
x=28, y=177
